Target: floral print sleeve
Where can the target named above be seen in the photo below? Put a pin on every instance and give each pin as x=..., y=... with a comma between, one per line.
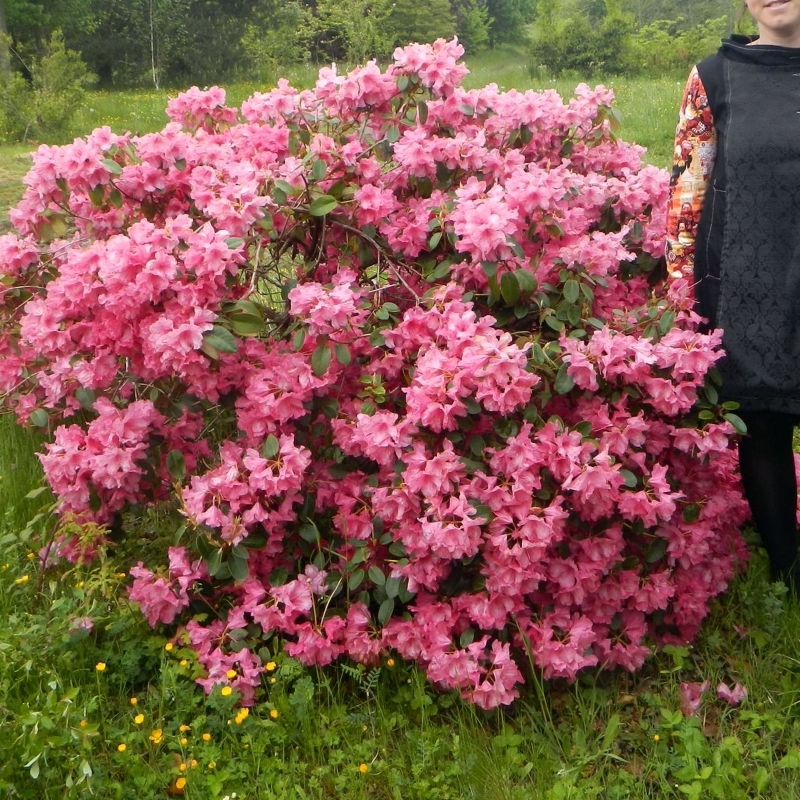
x=693, y=162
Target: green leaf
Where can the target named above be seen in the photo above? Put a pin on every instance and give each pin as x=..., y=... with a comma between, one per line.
x=39, y=418
x=791, y=760
x=85, y=397
x=214, y=563
x=180, y=164
x=342, y=352
x=321, y=360
x=563, y=382
x=656, y=550
x=234, y=242
x=309, y=532
x=422, y=111
x=271, y=447
x=34, y=493
x=510, y=288
x=392, y=587
x=176, y=465
x=221, y=339
x=356, y=579
x=318, y=169
x=238, y=568
x=112, y=166
x=526, y=280
x=115, y=198
x=322, y=205
x=629, y=478
x=737, y=422
x=572, y=291
x=434, y=240
x=392, y=134
x=97, y=194
x=386, y=610
x=376, y=575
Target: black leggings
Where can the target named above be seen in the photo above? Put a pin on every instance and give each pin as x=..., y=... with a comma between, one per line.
x=766, y=462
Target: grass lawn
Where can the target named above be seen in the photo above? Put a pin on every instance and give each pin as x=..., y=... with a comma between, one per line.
x=95, y=703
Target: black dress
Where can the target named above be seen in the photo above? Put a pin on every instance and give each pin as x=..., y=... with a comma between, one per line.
x=747, y=256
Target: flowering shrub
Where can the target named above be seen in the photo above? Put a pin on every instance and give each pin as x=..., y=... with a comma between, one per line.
x=396, y=356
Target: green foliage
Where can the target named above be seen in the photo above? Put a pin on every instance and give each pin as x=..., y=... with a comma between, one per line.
x=411, y=21
x=472, y=24
x=43, y=107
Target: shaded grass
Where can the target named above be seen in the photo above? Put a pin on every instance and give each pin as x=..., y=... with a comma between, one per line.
x=20, y=470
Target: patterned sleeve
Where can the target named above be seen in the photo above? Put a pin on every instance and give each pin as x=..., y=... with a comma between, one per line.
x=693, y=162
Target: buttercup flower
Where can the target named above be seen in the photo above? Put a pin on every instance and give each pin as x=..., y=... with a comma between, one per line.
x=100, y=666
x=157, y=736
x=274, y=713
x=122, y=747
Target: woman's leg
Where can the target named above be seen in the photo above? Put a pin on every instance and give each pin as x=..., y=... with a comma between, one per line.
x=766, y=462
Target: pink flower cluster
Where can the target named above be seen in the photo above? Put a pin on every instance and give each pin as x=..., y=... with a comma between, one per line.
x=392, y=352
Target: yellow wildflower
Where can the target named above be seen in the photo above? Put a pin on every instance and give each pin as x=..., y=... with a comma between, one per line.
x=206, y=737
x=184, y=728
x=242, y=715
x=274, y=713
x=389, y=662
x=182, y=767
x=230, y=674
x=363, y=768
x=226, y=691
x=180, y=783
x=157, y=736
x=122, y=747
x=168, y=646
x=212, y=764
x=139, y=719
x=100, y=666
x=183, y=662
x=83, y=723
x=193, y=763
x=22, y=579
x=271, y=666
x=184, y=741
x=134, y=700
x=656, y=738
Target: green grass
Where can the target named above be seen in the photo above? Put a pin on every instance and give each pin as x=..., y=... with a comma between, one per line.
x=69, y=730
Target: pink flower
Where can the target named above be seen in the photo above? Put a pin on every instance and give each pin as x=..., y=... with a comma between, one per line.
x=691, y=696
x=732, y=695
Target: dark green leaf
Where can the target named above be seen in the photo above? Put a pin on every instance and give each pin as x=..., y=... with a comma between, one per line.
x=238, y=568
x=510, y=288
x=563, y=382
x=356, y=579
x=737, y=422
x=392, y=134
x=322, y=205
x=221, y=339
x=629, y=478
x=321, y=360
x=318, y=170
x=656, y=551
x=214, y=563
x=376, y=575
x=176, y=465
x=342, y=352
x=385, y=611
x=572, y=291
x=85, y=397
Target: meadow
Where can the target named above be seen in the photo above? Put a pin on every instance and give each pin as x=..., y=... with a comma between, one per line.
x=111, y=709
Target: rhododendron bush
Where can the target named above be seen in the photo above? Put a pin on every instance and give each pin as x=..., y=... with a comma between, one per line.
x=395, y=356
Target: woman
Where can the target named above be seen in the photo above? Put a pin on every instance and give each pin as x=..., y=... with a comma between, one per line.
x=734, y=230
